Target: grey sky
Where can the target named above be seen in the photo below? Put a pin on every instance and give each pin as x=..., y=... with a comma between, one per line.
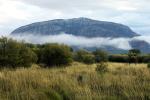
x=134, y=13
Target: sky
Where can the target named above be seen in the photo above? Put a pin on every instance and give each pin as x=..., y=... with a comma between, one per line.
x=133, y=13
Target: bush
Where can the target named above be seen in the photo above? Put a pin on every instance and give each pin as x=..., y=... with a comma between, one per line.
x=56, y=55
x=102, y=68
x=14, y=54
x=118, y=58
x=88, y=59
x=100, y=56
x=126, y=58
x=143, y=58
x=84, y=56
x=133, y=55
x=27, y=57
x=148, y=65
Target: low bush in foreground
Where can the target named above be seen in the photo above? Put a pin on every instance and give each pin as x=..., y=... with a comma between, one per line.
x=148, y=65
x=102, y=68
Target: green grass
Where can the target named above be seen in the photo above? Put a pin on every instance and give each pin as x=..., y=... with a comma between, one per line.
x=76, y=82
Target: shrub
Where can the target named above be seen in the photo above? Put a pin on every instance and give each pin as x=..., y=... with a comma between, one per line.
x=133, y=55
x=126, y=58
x=143, y=58
x=56, y=55
x=27, y=57
x=118, y=58
x=51, y=94
x=15, y=54
x=63, y=91
x=100, y=56
x=102, y=68
x=148, y=65
x=88, y=59
x=84, y=56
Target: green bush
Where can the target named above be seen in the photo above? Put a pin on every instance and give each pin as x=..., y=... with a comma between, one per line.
x=56, y=55
x=133, y=55
x=84, y=56
x=118, y=58
x=14, y=54
x=100, y=56
x=51, y=94
x=126, y=58
x=102, y=68
x=148, y=65
x=27, y=57
x=143, y=58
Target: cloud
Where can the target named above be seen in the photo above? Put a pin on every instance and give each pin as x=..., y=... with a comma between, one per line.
x=134, y=13
x=72, y=40
x=121, y=43
x=124, y=5
x=142, y=38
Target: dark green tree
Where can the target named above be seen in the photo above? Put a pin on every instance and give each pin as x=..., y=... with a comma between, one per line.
x=100, y=56
x=15, y=54
x=56, y=55
x=84, y=56
x=133, y=55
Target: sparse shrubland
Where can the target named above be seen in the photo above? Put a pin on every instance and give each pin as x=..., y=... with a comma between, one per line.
x=94, y=78
x=76, y=82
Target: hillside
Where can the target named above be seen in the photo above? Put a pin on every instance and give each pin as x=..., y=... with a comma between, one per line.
x=78, y=27
x=84, y=27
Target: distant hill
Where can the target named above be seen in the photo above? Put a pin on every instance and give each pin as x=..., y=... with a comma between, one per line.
x=141, y=45
x=77, y=26
x=86, y=28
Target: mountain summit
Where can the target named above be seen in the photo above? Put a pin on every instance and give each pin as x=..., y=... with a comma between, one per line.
x=78, y=27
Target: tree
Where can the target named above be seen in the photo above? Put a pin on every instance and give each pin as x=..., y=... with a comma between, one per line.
x=27, y=56
x=84, y=56
x=133, y=55
x=135, y=51
x=14, y=54
x=100, y=56
x=56, y=55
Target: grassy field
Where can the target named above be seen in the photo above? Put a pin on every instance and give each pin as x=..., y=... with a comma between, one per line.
x=76, y=82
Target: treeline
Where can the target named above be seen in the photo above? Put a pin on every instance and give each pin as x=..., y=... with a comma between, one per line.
x=14, y=54
x=19, y=54
x=124, y=58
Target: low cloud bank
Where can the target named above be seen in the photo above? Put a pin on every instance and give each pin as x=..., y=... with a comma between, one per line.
x=142, y=38
x=71, y=40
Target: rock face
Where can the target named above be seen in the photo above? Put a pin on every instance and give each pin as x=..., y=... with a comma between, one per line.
x=78, y=27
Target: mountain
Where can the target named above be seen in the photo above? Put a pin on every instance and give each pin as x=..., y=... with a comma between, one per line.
x=141, y=45
x=78, y=27
x=85, y=27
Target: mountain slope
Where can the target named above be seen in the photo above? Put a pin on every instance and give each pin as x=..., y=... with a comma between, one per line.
x=86, y=28
x=78, y=27
x=141, y=45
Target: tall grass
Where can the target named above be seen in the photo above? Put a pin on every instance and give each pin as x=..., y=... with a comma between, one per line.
x=76, y=82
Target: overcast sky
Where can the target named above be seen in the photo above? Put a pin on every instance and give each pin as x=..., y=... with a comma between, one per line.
x=134, y=13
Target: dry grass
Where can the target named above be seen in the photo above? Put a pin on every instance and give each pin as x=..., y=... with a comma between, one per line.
x=76, y=82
